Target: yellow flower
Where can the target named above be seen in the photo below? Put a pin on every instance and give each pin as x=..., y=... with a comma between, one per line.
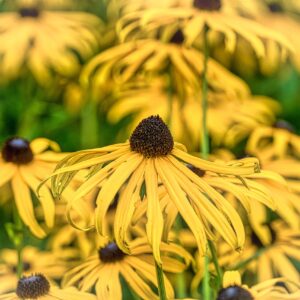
x=38, y=287
x=278, y=190
x=233, y=289
x=137, y=167
x=229, y=120
x=24, y=166
x=268, y=260
x=51, y=264
x=46, y=42
x=102, y=270
x=192, y=20
x=278, y=141
x=149, y=56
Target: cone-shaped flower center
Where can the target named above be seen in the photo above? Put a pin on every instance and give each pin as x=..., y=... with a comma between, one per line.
x=234, y=292
x=284, y=125
x=152, y=138
x=17, y=150
x=33, y=287
x=177, y=38
x=29, y=12
x=111, y=253
x=207, y=4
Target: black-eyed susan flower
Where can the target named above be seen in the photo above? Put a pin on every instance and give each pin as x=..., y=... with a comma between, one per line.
x=233, y=289
x=37, y=287
x=267, y=261
x=278, y=194
x=45, y=42
x=24, y=165
x=242, y=115
x=192, y=21
x=139, y=166
x=52, y=264
x=103, y=269
x=154, y=57
x=278, y=141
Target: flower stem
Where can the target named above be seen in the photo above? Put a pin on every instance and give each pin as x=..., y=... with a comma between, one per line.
x=205, y=136
x=216, y=263
x=205, y=285
x=205, y=148
x=160, y=282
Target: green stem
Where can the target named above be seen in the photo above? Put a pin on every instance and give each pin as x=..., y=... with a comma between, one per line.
x=216, y=263
x=89, y=125
x=206, y=279
x=160, y=282
x=205, y=149
x=205, y=136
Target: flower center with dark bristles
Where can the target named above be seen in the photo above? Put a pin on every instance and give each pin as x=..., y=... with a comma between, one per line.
x=284, y=125
x=234, y=292
x=111, y=253
x=207, y=4
x=177, y=38
x=152, y=138
x=29, y=12
x=33, y=287
x=17, y=150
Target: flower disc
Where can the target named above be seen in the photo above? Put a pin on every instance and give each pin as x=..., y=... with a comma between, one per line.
x=152, y=138
x=234, y=292
x=33, y=287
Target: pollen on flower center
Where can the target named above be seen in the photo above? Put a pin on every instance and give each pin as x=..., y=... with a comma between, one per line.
x=29, y=12
x=17, y=150
x=111, y=253
x=177, y=38
x=152, y=138
x=33, y=287
x=207, y=4
x=234, y=292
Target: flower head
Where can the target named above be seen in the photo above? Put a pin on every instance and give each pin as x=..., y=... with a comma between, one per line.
x=234, y=290
x=71, y=37
x=137, y=269
x=139, y=167
x=37, y=286
x=24, y=165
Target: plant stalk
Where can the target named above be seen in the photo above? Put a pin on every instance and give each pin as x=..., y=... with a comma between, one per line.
x=216, y=263
x=160, y=282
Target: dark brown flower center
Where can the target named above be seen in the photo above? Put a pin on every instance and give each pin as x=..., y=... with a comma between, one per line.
x=17, y=150
x=33, y=287
x=29, y=12
x=111, y=253
x=284, y=125
x=152, y=138
x=177, y=38
x=234, y=292
x=208, y=4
